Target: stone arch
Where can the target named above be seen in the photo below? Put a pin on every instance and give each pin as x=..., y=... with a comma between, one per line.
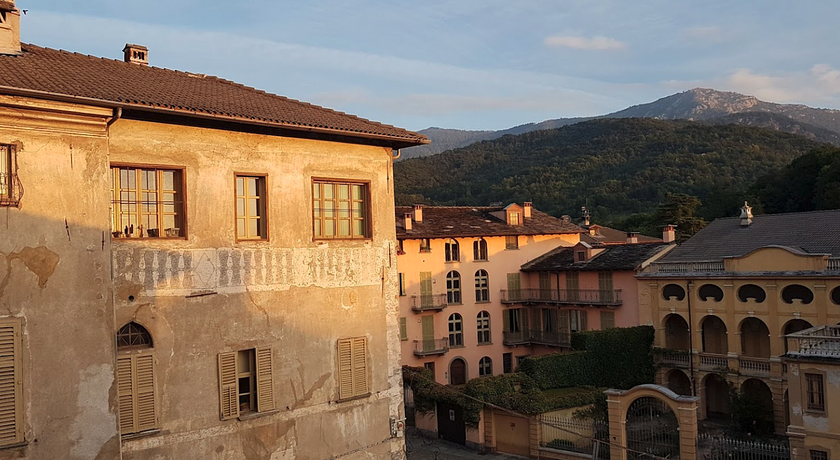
x=678, y=382
x=758, y=399
x=716, y=395
x=458, y=371
x=755, y=338
x=793, y=326
x=134, y=335
x=676, y=332
x=714, y=335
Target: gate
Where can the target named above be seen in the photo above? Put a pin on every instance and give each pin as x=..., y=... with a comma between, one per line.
x=451, y=426
x=652, y=430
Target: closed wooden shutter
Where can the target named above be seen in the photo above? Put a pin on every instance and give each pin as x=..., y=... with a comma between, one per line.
x=506, y=320
x=607, y=319
x=228, y=391
x=426, y=289
x=403, y=329
x=513, y=286
x=583, y=315
x=11, y=402
x=352, y=368
x=564, y=321
x=265, y=380
x=360, y=377
x=136, y=393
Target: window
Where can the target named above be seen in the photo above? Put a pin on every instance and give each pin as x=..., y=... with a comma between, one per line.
x=425, y=245
x=816, y=392
x=572, y=286
x=514, y=218
x=401, y=277
x=400, y=248
x=482, y=286
x=340, y=210
x=819, y=455
x=512, y=242
x=514, y=287
x=352, y=368
x=607, y=319
x=251, y=208
x=485, y=367
x=548, y=319
x=10, y=188
x=581, y=256
x=577, y=320
x=507, y=363
x=456, y=330
x=452, y=251
x=11, y=391
x=483, y=327
x=480, y=250
x=514, y=320
x=430, y=366
x=246, y=382
x=147, y=202
x=403, y=329
x=136, y=377
x=453, y=288
x=605, y=287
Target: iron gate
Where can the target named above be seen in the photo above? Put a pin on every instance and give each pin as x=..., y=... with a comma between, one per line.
x=652, y=430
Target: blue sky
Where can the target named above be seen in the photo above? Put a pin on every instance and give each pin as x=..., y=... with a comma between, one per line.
x=470, y=64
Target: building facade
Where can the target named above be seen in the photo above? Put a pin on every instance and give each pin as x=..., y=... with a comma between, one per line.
x=723, y=302
x=192, y=268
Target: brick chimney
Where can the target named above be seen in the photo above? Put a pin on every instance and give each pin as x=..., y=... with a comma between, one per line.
x=746, y=215
x=418, y=213
x=407, y=221
x=526, y=209
x=9, y=28
x=632, y=237
x=136, y=54
x=669, y=234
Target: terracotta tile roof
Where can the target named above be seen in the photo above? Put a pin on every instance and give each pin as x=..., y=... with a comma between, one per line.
x=120, y=84
x=475, y=221
x=607, y=235
x=619, y=257
x=810, y=232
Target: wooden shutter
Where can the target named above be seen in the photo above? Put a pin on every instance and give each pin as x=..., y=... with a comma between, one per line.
x=136, y=393
x=564, y=321
x=125, y=394
x=403, y=329
x=607, y=319
x=426, y=289
x=526, y=325
x=345, y=368
x=228, y=391
x=360, y=378
x=506, y=320
x=583, y=314
x=265, y=380
x=11, y=397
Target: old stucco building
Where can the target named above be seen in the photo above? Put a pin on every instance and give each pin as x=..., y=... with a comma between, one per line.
x=191, y=268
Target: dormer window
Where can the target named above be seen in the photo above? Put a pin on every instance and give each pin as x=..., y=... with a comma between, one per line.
x=514, y=218
x=580, y=256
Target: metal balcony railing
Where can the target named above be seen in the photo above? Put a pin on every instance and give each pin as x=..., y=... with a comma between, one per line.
x=598, y=297
x=11, y=190
x=431, y=347
x=536, y=336
x=431, y=302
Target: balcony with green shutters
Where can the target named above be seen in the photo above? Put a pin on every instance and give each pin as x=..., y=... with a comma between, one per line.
x=578, y=297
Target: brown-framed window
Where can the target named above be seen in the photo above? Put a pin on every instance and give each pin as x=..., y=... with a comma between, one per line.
x=246, y=382
x=512, y=242
x=353, y=378
x=818, y=455
x=340, y=209
x=147, y=202
x=11, y=383
x=251, y=217
x=136, y=385
x=10, y=188
x=483, y=327
x=425, y=245
x=403, y=329
x=815, y=392
x=402, y=283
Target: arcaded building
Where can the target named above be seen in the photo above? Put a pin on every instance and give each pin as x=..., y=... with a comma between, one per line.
x=192, y=268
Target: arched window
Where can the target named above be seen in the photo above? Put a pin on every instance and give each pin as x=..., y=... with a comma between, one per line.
x=480, y=249
x=797, y=292
x=671, y=291
x=133, y=335
x=483, y=327
x=485, y=366
x=456, y=330
x=710, y=291
x=751, y=291
x=453, y=288
x=482, y=286
x=458, y=372
x=835, y=295
x=451, y=251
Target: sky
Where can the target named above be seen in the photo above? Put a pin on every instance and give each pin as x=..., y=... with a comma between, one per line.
x=469, y=64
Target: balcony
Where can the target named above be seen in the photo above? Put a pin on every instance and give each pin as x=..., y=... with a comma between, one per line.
x=435, y=302
x=686, y=267
x=596, y=297
x=537, y=337
x=431, y=347
x=816, y=342
x=712, y=362
x=676, y=359
x=759, y=367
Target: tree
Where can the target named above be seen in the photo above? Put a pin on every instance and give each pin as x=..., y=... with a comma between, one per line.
x=679, y=209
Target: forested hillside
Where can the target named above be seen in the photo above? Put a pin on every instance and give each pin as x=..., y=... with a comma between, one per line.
x=616, y=167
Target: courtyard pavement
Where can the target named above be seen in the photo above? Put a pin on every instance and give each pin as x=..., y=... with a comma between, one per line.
x=420, y=447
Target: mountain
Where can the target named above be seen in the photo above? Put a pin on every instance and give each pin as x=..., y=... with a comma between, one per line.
x=698, y=104
x=616, y=167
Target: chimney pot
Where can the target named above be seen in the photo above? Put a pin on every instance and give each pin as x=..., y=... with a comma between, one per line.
x=136, y=54
x=746, y=215
x=632, y=237
x=527, y=209
x=418, y=213
x=668, y=234
x=407, y=221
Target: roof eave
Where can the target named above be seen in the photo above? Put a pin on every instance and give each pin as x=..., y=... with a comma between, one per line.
x=395, y=142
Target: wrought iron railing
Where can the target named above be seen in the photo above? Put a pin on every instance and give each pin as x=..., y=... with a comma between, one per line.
x=11, y=190
x=610, y=297
x=718, y=447
x=575, y=435
x=820, y=341
x=427, y=347
x=536, y=336
x=428, y=302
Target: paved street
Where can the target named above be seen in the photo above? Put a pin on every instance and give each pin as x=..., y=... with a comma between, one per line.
x=419, y=447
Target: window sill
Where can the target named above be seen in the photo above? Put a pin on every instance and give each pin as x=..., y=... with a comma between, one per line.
x=146, y=238
x=511, y=249
x=456, y=346
x=428, y=251
x=481, y=260
x=142, y=434
x=816, y=412
x=484, y=344
x=353, y=398
x=482, y=301
x=250, y=241
x=253, y=415
x=452, y=261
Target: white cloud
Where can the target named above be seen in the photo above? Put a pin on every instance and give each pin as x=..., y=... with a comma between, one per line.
x=584, y=43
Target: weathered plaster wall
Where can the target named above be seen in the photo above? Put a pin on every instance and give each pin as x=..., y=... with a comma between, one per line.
x=55, y=276
x=290, y=293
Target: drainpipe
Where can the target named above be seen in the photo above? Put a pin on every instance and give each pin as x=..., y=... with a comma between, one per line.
x=690, y=340
x=117, y=115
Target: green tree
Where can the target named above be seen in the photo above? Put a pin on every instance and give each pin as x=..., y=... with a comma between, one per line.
x=679, y=209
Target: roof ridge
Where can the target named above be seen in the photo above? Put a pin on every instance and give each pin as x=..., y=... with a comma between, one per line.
x=816, y=211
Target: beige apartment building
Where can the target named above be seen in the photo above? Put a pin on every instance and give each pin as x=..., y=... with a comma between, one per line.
x=723, y=302
x=192, y=268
